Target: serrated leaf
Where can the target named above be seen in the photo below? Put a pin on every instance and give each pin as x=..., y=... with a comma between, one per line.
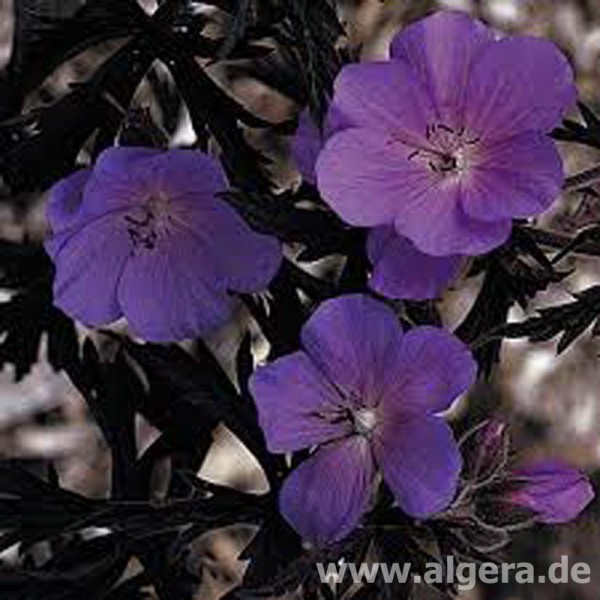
x=572, y=319
x=47, y=33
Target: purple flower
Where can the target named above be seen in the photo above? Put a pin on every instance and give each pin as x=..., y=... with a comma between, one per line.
x=399, y=269
x=555, y=492
x=143, y=235
x=367, y=396
x=447, y=141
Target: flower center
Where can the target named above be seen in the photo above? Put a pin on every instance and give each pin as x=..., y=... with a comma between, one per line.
x=448, y=151
x=365, y=421
x=148, y=222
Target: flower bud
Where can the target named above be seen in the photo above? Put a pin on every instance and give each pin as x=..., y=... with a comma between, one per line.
x=555, y=492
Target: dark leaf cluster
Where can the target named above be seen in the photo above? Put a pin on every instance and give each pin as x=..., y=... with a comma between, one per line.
x=568, y=320
x=512, y=276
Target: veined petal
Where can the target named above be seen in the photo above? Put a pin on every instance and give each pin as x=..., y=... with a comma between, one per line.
x=186, y=175
x=326, y=496
x=516, y=177
x=518, y=84
x=122, y=176
x=421, y=463
x=381, y=95
x=441, y=50
x=435, y=222
x=431, y=370
x=402, y=271
x=89, y=262
x=245, y=260
x=366, y=176
x=297, y=406
x=172, y=292
x=353, y=340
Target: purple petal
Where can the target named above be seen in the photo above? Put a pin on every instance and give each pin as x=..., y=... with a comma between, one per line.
x=294, y=400
x=553, y=490
x=518, y=84
x=246, y=261
x=384, y=96
x=306, y=145
x=433, y=219
x=326, y=496
x=65, y=200
x=186, y=175
x=420, y=462
x=441, y=50
x=365, y=176
x=402, y=271
x=89, y=263
x=353, y=339
x=173, y=292
x=335, y=121
x=431, y=370
x=121, y=177
x=517, y=177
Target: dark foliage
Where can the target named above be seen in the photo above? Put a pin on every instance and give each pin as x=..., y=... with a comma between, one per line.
x=571, y=320
x=50, y=32
x=587, y=134
x=29, y=313
x=512, y=275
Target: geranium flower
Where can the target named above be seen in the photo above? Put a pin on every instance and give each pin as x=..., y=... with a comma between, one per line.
x=368, y=397
x=400, y=270
x=447, y=141
x=143, y=235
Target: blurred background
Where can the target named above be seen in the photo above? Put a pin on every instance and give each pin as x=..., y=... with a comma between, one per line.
x=553, y=403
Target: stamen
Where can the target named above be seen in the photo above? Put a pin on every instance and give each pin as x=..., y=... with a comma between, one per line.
x=445, y=128
x=446, y=149
x=145, y=222
x=147, y=240
x=152, y=221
